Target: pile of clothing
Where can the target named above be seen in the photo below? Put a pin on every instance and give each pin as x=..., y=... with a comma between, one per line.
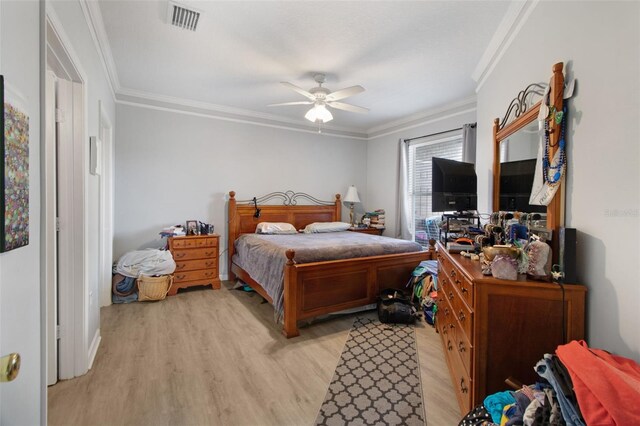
x=578, y=386
x=130, y=266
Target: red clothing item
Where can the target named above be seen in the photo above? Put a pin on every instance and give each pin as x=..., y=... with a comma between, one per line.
x=607, y=386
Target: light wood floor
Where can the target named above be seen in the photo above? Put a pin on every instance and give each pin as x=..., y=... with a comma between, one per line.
x=208, y=357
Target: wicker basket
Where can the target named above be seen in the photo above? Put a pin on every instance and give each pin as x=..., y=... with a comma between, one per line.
x=153, y=288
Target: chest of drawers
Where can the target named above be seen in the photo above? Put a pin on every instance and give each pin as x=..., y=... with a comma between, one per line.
x=492, y=329
x=196, y=260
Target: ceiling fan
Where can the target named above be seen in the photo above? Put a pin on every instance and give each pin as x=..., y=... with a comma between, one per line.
x=321, y=98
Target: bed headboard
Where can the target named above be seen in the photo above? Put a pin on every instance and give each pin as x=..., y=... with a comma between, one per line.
x=242, y=218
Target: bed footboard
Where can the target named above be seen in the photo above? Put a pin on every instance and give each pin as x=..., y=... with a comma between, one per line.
x=313, y=289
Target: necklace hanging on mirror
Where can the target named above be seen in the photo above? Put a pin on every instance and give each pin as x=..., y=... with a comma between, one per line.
x=558, y=168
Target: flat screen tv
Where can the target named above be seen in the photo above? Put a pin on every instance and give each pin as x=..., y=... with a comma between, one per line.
x=516, y=180
x=453, y=186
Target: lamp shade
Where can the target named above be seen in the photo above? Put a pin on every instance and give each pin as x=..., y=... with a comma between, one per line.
x=352, y=195
x=319, y=113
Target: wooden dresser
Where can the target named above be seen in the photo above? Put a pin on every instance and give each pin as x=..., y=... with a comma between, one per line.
x=196, y=258
x=492, y=329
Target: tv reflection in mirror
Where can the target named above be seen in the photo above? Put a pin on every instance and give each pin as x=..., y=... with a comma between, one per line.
x=453, y=185
x=516, y=181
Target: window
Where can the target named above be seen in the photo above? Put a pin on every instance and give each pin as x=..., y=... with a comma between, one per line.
x=419, y=186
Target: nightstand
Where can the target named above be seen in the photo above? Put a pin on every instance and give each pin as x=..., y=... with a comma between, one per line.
x=370, y=230
x=196, y=260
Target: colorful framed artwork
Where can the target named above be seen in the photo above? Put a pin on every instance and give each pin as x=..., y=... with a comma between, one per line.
x=14, y=172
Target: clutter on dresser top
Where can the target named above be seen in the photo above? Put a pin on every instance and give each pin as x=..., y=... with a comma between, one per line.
x=192, y=227
x=510, y=244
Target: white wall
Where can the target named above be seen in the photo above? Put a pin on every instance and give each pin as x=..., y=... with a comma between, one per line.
x=382, y=160
x=599, y=43
x=75, y=26
x=20, y=268
x=172, y=167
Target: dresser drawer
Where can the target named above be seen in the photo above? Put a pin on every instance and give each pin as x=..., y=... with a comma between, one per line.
x=464, y=348
x=197, y=253
x=465, y=289
x=194, y=242
x=207, y=242
x=461, y=313
x=201, y=275
x=461, y=381
x=190, y=265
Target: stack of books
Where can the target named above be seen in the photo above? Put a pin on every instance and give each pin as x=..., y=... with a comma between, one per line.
x=377, y=218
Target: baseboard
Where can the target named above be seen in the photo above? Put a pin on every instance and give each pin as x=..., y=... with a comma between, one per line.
x=93, y=349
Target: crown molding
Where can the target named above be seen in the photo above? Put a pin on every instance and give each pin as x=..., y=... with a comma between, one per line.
x=220, y=112
x=174, y=102
x=93, y=17
x=516, y=16
x=425, y=117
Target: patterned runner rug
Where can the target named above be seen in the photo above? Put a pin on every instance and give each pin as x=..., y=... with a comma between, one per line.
x=377, y=380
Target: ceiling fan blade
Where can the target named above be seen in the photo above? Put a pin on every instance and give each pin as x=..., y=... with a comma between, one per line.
x=344, y=93
x=348, y=107
x=291, y=103
x=299, y=90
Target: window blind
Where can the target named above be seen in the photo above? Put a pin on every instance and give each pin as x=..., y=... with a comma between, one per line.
x=421, y=151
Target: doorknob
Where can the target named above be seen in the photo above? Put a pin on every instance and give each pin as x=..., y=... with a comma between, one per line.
x=9, y=367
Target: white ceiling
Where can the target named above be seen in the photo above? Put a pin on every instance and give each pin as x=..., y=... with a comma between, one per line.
x=409, y=56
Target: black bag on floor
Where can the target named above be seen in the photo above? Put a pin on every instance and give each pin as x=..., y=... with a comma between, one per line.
x=394, y=306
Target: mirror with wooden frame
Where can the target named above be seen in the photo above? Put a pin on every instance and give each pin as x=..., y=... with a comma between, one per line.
x=513, y=126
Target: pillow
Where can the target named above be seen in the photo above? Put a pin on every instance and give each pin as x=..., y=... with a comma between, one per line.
x=326, y=227
x=275, y=228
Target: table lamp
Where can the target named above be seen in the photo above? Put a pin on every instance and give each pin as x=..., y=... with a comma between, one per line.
x=352, y=198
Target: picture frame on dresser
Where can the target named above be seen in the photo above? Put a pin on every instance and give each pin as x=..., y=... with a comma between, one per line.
x=192, y=227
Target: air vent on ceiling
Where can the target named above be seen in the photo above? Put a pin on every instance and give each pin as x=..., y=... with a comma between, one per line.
x=183, y=17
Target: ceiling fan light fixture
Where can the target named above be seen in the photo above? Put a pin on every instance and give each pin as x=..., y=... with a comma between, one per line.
x=319, y=114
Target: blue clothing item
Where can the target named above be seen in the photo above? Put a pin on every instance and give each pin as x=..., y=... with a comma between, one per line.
x=125, y=286
x=569, y=412
x=496, y=402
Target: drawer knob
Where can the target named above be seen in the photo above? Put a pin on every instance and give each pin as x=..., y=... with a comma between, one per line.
x=450, y=295
x=181, y=276
x=449, y=345
x=463, y=387
x=209, y=263
x=451, y=326
x=208, y=253
x=461, y=316
x=452, y=273
x=446, y=311
x=208, y=274
x=461, y=347
x=464, y=289
x=444, y=330
x=179, y=255
x=180, y=266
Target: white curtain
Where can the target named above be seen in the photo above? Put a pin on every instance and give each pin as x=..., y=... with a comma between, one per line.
x=469, y=143
x=403, y=208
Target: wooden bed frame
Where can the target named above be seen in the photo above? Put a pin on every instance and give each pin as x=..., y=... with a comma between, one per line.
x=318, y=288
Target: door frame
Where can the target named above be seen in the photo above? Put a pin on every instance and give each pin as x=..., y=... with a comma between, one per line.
x=105, y=134
x=73, y=293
